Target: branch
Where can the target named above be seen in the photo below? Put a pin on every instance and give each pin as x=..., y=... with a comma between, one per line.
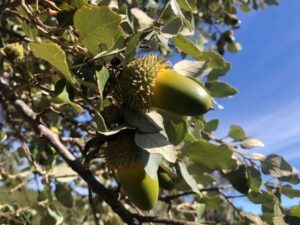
x=107, y=194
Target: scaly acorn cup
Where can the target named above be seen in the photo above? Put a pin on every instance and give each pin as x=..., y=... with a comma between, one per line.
x=149, y=82
x=122, y=155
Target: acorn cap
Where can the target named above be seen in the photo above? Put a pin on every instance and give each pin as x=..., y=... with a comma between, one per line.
x=122, y=152
x=137, y=82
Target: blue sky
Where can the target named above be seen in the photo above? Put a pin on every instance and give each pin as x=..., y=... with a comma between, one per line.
x=267, y=74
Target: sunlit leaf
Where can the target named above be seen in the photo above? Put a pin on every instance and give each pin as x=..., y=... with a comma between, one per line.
x=97, y=27
x=53, y=54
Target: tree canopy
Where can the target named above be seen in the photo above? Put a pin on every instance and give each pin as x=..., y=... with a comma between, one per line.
x=69, y=131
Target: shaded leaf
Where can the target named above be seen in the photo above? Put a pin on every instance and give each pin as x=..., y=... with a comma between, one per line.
x=288, y=191
x=254, y=178
x=151, y=162
x=63, y=195
x=276, y=166
x=52, y=217
x=176, y=129
x=156, y=143
x=188, y=178
x=172, y=27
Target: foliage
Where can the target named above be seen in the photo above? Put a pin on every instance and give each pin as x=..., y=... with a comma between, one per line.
x=62, y=59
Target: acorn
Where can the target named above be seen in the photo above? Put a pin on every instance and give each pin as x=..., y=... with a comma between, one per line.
x=122, y=155
x=149, y=83
x=165, y=180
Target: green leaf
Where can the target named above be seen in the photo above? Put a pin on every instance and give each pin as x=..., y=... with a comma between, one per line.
x=278, y=216
x=220, y=89
x=52, y=217
x=172, y=27
x=234, y=47
x=151, y=122
x=236, y=133
x=215, y=73
x=262, y=197
x=220, y=156
x=251, y=142
x=186, y=46
x=211, y=125
x=102, y=77
x=97, y=27
x=254, y=179
x=156, y=143
x=215, y=60
x=151, y=163
x=53, y=54
x=276, y=166
x=187, y=177
x=295, y=211
x=63, y=195
x=63, y=173
x=63, y=97
x=176, y=128
x=288, y=191
x=238, y=178
x=132, y=46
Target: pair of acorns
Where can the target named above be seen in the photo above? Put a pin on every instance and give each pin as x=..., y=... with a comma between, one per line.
x=147, y=84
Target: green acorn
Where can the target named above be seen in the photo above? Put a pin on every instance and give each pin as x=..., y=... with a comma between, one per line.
x=147, y=83
x=123, y=156
x=165, y=181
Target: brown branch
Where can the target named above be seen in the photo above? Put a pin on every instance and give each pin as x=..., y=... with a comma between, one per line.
x=108, y=195
x=94, y=210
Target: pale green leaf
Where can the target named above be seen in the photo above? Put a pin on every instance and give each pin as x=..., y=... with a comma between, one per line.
x=251, y=142
x=190, y=68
